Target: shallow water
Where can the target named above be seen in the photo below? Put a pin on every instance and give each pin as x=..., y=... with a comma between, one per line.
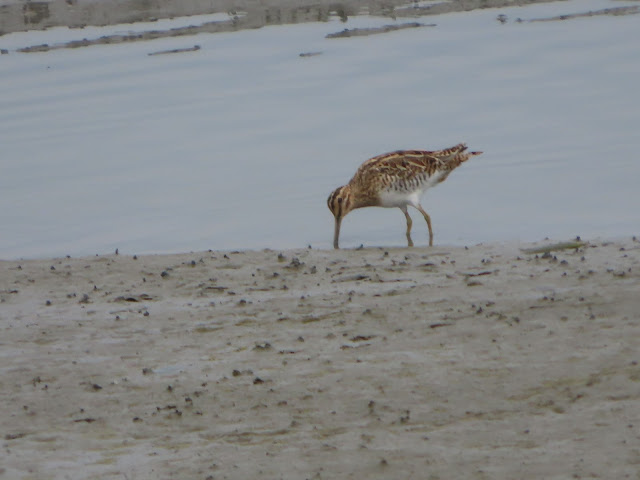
x=237, y=145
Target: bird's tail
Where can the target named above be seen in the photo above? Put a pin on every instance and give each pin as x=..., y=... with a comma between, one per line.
x=456, y=158
x=457, y=154
x=456, y=150
x=459, y=148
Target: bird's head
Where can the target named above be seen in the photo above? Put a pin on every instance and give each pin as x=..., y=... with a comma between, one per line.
x=340, y=203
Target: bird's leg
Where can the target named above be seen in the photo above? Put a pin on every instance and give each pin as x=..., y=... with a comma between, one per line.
x=409, y=224
x=428, y=219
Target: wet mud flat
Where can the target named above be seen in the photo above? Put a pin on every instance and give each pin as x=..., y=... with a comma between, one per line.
x=487, y=361
x=21, y=15
x=237, y=16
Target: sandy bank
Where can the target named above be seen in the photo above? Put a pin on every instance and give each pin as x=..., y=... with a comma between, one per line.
x=441, y=362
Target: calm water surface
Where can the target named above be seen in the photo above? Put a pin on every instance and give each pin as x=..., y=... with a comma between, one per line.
x=237, y=145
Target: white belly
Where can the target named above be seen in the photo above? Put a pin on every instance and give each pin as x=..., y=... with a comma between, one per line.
x=398, y=197
x=392, y=198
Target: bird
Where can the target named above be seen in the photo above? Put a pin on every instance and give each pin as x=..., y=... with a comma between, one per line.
x=396, y=179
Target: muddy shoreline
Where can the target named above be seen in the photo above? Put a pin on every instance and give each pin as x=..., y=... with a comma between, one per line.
x=17, y=16
x=22, y=16
x=447, y=362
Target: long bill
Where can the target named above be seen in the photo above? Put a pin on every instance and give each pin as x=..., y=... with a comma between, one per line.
x=336, y=233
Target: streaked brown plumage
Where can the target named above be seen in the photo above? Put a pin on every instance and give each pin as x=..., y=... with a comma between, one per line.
x=396, y=179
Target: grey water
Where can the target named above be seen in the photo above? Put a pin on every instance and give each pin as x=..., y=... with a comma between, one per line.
x=238, y=144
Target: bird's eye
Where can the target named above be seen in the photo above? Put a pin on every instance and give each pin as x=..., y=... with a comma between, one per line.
x=339, y=200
